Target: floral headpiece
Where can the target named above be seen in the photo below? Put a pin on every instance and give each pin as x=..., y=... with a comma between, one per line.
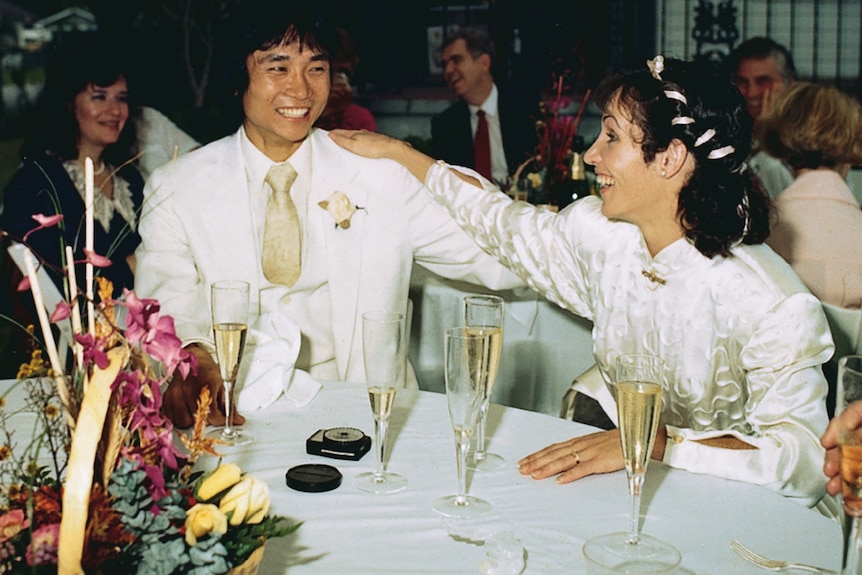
x=656, y=67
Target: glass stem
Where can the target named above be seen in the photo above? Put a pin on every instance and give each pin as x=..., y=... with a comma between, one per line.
x=228, y=407
x=636, y=481
x=480, y=432
x=462, y=446
x=852, y=545
x=379, y=434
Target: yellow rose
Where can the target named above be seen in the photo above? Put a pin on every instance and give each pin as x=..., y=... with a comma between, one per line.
x=202, y=519
x=248, y=501
x=222, y=478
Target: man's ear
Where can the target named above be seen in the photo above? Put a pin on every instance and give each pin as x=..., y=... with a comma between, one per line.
x=485, y=60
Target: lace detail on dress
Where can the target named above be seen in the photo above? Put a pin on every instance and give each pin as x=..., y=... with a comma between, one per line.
x=103, y=206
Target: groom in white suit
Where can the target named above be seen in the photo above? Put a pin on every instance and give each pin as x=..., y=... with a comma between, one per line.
x=203, y=217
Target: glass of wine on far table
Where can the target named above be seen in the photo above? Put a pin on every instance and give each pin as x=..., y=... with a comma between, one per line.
x=484, y=315
x=638, y=387
x=382, y=339
x=229, y=299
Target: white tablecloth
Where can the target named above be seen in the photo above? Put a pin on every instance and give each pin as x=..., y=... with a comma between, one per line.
x=348, y=532
x=544, y=347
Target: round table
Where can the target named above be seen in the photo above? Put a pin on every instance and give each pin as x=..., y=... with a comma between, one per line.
x=347, y=531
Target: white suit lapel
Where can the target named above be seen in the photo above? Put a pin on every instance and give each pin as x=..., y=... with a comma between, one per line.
x=334, y=171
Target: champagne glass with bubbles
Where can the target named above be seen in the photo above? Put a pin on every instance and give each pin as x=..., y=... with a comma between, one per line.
x=382, y=340
x=638, y=388
x=229, y=299
x=466, y=361
x=483, y=314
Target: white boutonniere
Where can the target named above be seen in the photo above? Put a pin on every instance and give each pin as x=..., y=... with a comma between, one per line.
x=340, y=208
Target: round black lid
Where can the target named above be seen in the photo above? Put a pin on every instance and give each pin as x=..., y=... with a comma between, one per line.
x=313, y=478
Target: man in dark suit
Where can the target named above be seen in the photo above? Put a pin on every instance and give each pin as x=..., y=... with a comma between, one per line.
x=468, y=57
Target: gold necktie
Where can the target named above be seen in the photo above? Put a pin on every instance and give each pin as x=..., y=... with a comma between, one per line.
x=281, y=233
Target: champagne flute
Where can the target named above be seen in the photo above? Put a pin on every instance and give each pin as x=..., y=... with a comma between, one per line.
x=638, y=388
x=849, y=386
x=483, y=314
x=229, y=299
x=466, y=361
x=382, y=340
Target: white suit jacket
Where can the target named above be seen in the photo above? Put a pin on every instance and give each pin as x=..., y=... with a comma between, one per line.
x=196, y=228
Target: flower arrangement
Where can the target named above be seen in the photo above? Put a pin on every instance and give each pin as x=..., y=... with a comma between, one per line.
x=549, y=165
x=103, y=486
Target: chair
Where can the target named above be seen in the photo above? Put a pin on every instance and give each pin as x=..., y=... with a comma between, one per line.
x=588, y=401
x=846, y=327
x=50, y=296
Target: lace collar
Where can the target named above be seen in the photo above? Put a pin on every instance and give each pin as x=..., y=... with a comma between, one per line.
x=103, y=206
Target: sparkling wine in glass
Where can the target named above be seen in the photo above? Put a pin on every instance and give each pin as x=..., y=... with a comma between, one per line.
x=850, y=448
x=382, y=340
x=638, y=387
x=229, y=300
x=484, y=314
x=466, y=361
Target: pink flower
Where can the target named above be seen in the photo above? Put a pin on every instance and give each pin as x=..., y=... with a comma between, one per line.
x=61, y=312
x=43, y=547
x=12, y=523
x=44, y=222
x=93, y=349
x=156, y=334
x=96, y=260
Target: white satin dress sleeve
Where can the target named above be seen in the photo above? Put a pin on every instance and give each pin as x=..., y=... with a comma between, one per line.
x=742, y=338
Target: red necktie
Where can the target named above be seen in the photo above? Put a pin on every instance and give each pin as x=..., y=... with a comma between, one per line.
x=482, y=147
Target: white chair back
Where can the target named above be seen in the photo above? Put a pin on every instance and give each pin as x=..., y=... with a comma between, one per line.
x=846, y=326
x=51, y=296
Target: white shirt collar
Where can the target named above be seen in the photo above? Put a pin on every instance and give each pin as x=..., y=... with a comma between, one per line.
x=489, y=106
x=257, y=164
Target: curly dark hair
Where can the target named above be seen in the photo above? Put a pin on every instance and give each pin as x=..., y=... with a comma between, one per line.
x=714, y=202
x=262, y=25
x=79, y=61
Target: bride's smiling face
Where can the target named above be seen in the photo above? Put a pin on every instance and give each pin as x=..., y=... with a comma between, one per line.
x=630, y=187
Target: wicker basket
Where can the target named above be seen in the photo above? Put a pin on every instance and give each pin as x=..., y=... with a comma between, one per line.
x=250, y=565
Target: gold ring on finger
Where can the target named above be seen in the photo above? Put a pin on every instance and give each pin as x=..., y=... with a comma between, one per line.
x=576, y=455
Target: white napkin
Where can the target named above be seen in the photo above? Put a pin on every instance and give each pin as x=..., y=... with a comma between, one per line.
x=267, y=368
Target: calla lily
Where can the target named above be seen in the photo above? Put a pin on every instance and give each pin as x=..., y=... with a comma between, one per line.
x=246, y=502
x=224, y=476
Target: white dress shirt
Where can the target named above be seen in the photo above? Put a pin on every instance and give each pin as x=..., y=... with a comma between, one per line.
x=307, y=301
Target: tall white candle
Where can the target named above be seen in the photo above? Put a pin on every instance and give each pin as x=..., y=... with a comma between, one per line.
x=89, y=188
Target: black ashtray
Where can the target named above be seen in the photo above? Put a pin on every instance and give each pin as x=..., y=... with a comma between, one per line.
x=313, y=478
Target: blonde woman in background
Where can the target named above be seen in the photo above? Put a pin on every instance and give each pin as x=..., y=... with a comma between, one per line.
x=817, y=131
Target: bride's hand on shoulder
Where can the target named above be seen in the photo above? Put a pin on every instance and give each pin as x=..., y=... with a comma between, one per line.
x=368, y=144
x=375, y=145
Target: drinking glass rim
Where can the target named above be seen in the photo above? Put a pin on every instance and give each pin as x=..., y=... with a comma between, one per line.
x=383, y=316
x=230, y=284
x=479, y=299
